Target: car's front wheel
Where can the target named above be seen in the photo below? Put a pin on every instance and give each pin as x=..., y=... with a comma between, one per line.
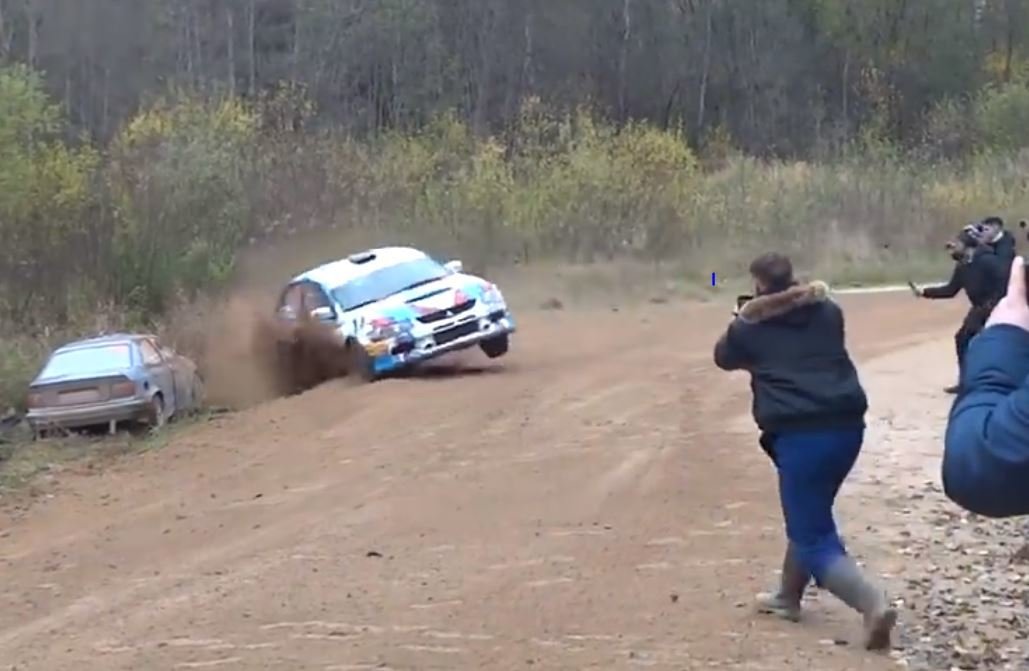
x=360, y=365
x=496, y=347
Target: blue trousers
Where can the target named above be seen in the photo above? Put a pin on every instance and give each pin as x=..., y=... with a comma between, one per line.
x=812, y=465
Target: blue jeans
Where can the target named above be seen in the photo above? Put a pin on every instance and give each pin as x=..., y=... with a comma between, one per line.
x=812, y=465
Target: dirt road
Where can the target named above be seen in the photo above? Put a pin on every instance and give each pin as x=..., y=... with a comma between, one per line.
x=588, y=503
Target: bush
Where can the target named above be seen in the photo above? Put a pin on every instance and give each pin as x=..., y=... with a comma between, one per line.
x=994, y=121
x=177, y=176
x=19, y=362
x=1002, y=116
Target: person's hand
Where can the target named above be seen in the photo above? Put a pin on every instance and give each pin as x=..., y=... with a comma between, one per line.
x=915, y=290
x=1013, y=308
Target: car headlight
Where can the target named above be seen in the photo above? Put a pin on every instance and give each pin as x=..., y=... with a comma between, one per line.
x=492, y=297
x=385, y=328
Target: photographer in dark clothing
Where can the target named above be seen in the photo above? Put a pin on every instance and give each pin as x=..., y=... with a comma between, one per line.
x=810, y=406
x=983, y=277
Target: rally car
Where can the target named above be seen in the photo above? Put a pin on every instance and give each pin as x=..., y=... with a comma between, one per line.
x=394, y=307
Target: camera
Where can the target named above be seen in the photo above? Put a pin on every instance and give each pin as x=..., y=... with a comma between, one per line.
x=971, y=236
x=741, y=300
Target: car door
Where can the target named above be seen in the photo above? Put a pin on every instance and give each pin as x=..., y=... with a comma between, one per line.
x=159, y=373
x=291, y=302
x=313, y=297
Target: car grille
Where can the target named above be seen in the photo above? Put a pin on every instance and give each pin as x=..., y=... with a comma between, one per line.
x=440, y=315
x=455, y=332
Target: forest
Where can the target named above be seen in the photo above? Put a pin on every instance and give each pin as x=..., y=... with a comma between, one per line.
x=785, y=78
x=144, y=144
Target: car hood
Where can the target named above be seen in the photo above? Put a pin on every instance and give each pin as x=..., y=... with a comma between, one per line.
x=439, y=295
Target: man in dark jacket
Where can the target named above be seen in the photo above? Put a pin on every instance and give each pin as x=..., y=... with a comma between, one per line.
x=986, y=454
x=810, y=406
x=980, y=273
x=1000, y=241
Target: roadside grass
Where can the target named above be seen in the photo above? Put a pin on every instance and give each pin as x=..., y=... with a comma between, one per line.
x=26, y=464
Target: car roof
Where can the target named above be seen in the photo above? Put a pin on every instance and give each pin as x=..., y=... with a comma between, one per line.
x=335, y=273
x=107, y=339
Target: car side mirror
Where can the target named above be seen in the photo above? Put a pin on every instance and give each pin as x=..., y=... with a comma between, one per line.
x=454, y=266
x=324, y=314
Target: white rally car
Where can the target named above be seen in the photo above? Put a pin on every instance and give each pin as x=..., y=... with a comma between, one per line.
x=394, y=307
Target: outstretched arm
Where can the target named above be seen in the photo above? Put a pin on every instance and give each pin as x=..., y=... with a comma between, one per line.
x=948, y=290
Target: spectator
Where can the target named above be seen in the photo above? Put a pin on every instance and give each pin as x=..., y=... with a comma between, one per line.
x=986, y=454
x=810, y=406
x=999, y=240
x=979, y=272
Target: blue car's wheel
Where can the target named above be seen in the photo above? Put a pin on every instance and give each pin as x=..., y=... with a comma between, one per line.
x=156, y=416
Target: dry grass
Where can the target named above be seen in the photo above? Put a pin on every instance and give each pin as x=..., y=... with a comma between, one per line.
x=27, y=466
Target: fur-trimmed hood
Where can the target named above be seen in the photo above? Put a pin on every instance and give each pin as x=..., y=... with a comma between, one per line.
x=769, y=306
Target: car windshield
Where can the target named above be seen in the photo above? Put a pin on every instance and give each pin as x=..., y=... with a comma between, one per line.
x=387, y=281
x=88, y=360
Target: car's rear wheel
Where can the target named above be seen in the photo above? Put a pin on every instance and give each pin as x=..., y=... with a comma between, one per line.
x=495, y=347
x=360, y=366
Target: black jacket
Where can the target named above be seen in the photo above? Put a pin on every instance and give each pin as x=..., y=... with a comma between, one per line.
x=1004, y=248
x=792, y=344
x=984, y=279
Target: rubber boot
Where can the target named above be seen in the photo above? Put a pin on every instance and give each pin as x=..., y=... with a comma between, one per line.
x=785, y=602
x=846, y=581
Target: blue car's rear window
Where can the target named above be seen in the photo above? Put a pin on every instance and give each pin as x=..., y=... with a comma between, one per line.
x=87, y=360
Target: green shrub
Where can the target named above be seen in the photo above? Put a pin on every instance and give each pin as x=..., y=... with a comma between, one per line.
x=1002, y=116
x=177, y=176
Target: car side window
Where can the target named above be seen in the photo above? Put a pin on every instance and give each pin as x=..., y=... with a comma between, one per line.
x=313, y=296
x=151, y=357
x=289, y=304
